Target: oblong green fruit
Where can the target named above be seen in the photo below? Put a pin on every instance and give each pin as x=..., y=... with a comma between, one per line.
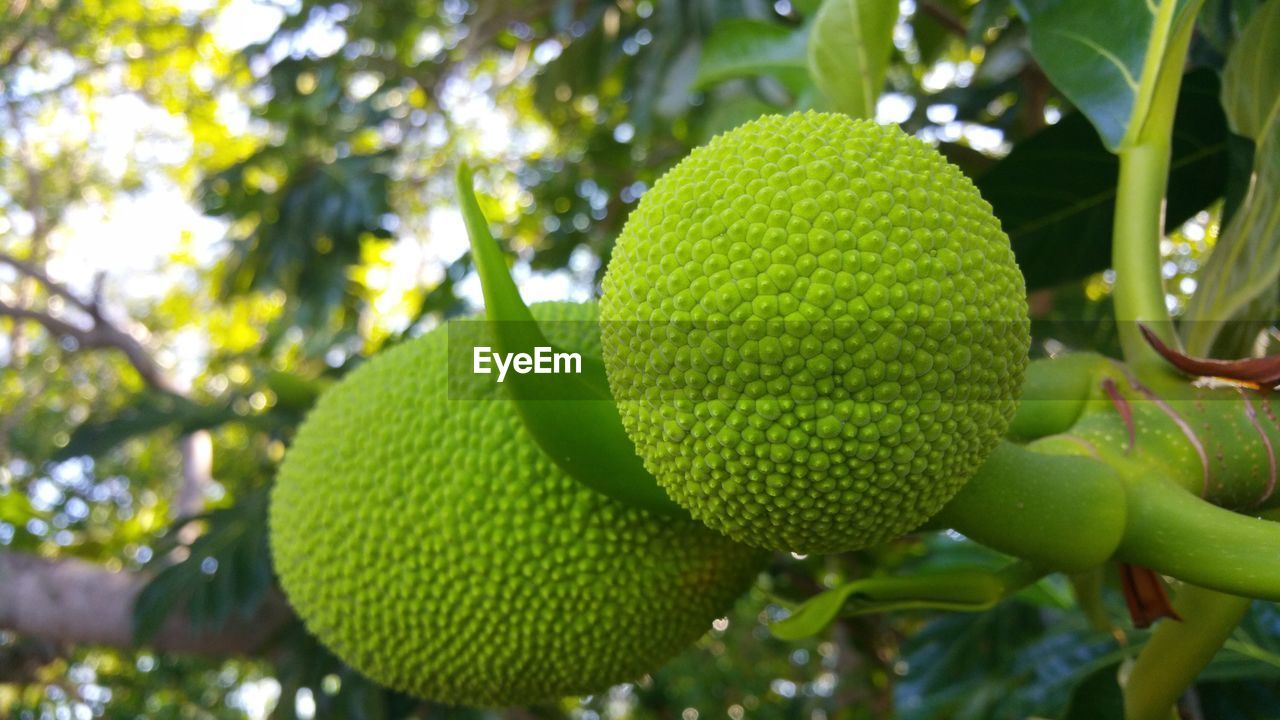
x=434, y=547
x=815, y=330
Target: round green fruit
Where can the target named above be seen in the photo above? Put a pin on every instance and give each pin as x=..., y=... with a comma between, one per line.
x=433, y=546
x=815, y=330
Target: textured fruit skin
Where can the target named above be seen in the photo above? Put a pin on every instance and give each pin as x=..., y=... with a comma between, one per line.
x=434, y=547
x=816, y=332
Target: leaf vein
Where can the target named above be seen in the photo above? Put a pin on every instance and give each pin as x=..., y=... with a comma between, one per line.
x=1106, y=54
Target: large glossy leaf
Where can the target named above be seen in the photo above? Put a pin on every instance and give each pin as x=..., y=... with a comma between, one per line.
x=1055, y=193
x=747, y=48
x=1240, y=275
x=1096, y=51
x=849, y=47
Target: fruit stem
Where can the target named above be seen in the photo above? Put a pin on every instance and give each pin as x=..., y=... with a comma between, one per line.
x=1087, y=589
x=1055, y=393
x=1144, y=173
x=1175, y=533
x=1178, y=651
x=1139, y=221
x=1033, y=505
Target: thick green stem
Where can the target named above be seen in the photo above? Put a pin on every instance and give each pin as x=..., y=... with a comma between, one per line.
x=1087, y=588
x=1063, y=512
x=1176, y=533
x=1144, y=172
x=1055, y=393
x=1139, y=222
x=1178, y=651
x=1068, y=512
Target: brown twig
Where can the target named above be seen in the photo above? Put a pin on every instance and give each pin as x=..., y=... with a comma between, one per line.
x=54, y=287
x=195, y=448
x=60, y=328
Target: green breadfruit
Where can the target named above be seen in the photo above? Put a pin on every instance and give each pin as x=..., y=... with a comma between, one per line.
x=432, y=545
x=815, y=330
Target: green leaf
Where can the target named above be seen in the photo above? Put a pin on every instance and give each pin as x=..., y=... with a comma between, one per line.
x=149, y=412
x=1252, y=651
x=742, y=47
x=235, y=583
x=966, y=590
x=1253, y=698
x=1055, y=194
x=849, y=47
x=1098, y=695
x=1240, y=275
x=15, y=507
x=16, y=510
x=1099, y=52
x=1250, y=83
x=572, y=417
x=1014, y=661
x=293, y=391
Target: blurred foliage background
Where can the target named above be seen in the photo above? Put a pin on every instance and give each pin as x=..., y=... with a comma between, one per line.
x=211, y=209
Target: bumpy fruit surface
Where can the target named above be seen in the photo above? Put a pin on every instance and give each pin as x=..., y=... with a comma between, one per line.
x=816, y=332
x=432, y=545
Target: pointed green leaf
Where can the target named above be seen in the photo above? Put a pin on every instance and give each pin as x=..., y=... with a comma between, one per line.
x=849, y=47
x=572, y=417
